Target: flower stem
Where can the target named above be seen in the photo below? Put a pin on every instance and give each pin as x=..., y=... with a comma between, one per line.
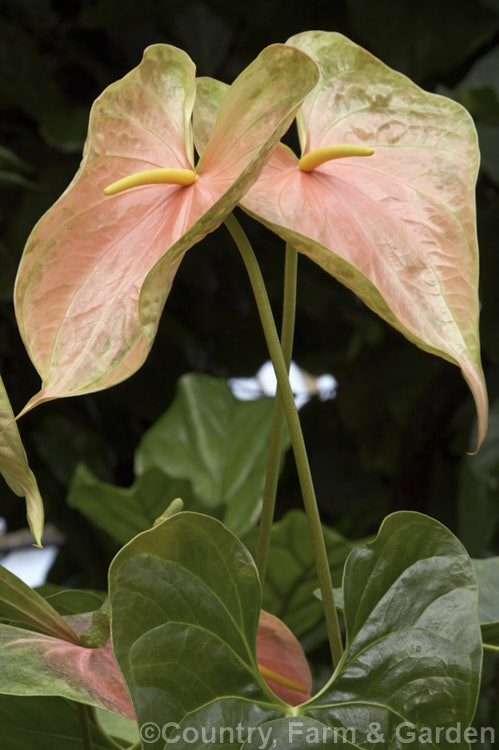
x=277, y=430
x=86, y=731
x=301, y=458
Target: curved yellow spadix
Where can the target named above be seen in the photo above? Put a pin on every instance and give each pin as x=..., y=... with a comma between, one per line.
x=312, y=160
x=152, y=177
x=269, y=674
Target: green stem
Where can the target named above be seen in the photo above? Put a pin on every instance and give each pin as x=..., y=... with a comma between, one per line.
x=86, y=731
x=301, y=458
x=276, y=435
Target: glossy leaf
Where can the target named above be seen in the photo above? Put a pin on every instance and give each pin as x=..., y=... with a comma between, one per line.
x=15, y=469
x=291, y=577
x=188, y=587
x=487, y=572
x=184, y=587
x=414, y=652
x=36, y=664
x=397, y=227
x=20, y=604
x=218, y=443
x=97, y=269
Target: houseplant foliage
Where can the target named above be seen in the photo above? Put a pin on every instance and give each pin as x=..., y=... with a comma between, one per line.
x=382, y=199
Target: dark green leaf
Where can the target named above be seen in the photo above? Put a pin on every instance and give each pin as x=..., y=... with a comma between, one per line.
x=488, y=598
x=216, y=442
x=76, y=601
x=412, y=632
x=44, y=723
x=188, y=588
x=291, y=576
x=185, y=588
x=125, y=512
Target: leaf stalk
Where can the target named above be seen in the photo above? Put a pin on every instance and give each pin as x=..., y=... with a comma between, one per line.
x=298, y=443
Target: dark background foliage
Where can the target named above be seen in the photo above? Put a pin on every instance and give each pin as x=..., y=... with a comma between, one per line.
x=397, y=433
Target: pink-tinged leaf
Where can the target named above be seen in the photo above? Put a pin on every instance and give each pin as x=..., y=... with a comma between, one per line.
x=397, y=227
x=279, y=653
x=97, y=269
x=36, y=664
x=20, y=604
x=15, y=469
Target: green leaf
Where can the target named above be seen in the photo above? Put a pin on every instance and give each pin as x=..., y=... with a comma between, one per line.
x=189, y=588
x=14, y=466
x=118, y=726
x=414, y=651
x=291, y=575
x=75, y=601
x=185, y=588
x=44, y=723
x=124, y=512
x=20, y=604
x=217, y=442
x=488, y=599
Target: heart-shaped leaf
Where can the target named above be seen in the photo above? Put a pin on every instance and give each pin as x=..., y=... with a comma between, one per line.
x=291, y=577
x=185, y=601
x=97, y=269
x=218, y=443
x=15, y=469
x=413, y=639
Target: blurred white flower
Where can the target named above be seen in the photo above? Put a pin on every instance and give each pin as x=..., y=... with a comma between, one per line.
x=303, y=384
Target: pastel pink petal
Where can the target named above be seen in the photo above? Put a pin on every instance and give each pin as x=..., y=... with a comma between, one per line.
x=280, y=651
x=97, y=269
x=15, y=469
x=44, y=665
x=398, y=227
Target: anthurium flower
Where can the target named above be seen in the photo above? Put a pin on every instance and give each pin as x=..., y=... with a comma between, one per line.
x=99, y=265
x=382, y=197
x=15, y=469
x=281, y=660
x=57, y=665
